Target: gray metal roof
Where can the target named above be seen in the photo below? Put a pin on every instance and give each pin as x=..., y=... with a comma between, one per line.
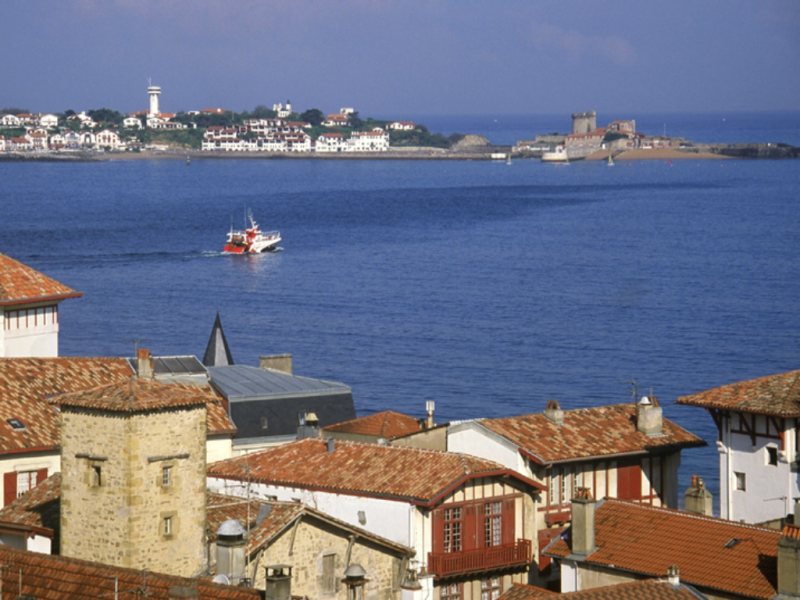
x=173, y=365
x=243, y=382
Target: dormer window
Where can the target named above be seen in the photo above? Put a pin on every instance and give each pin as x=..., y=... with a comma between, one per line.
x=16, y=424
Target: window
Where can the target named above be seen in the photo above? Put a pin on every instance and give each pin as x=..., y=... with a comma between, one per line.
x=452, y=529
x=96, y=476
x=166, y=476
x=26, y=481
x=490, y=588
x=329, y=573
x=493, y=524
x=552, y=491
x=566, y=486
x=166, y=526
x=16, y=424
x=772, y=455
x=451, y=591
x=741, y=481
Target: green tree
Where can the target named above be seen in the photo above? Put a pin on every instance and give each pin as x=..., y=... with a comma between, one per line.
x=105, y=115
x=314, y=116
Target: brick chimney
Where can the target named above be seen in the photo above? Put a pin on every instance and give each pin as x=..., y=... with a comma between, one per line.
x=697, y=498
x=276, y=362
x=553, y=412
x=582, y=530
x=789, y=562
x=144, y=364
x=649, y=419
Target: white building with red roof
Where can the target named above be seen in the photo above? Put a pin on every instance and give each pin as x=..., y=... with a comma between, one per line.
x=467, y=518
x=29, y=310
x=758, y=443
x=376, y=140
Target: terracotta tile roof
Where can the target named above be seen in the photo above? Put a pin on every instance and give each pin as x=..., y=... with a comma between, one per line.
x=587, y=433
x=415, y=476
x=711, y=553
x=281, y=515
x=646, y=589
x=26, y=385
x=60, y=578
x=136, y=396
x=777, y=395
x=38, y=509
x=21, y=284
x=386, y=424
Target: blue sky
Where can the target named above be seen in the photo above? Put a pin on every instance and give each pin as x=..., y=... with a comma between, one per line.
x=404, y=57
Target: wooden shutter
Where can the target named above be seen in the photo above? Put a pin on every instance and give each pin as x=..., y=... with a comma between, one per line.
x=472, y=527
x=9, y=488
x=41, y=475
x=629, y=481
x=508, y=520
x=438, y=530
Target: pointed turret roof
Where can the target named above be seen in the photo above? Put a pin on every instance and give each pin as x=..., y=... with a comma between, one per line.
x=218, y=354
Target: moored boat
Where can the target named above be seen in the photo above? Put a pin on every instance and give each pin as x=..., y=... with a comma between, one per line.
x=251, y=240
x=559, y=154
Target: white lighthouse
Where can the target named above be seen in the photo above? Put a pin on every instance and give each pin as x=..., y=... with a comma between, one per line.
x=154, y=92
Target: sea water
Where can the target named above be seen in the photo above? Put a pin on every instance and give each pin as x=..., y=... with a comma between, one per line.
x=489, y=288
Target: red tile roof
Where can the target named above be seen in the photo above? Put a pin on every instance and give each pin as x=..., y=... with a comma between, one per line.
x=646, y=589
x=777, y=395
x=38, y=510
x=587, y=433
x=47, y=577
x=26, y=385
x=137, y=396
x=21, y=284
x=420, y=477
x=711, y=553
x=386, y=424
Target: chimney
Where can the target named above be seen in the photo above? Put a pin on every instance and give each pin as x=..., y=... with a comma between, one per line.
x=330, y=445
x=789, y=562
x=583, y=507
x=231, y=551
x=430, y=406
x=276, y=362
x=697, y=498
x=309, y=426
x=144, y=364
x=673, y=575
x=649, y=416
x=279, y=582
x=553, y=412
x=796, y=515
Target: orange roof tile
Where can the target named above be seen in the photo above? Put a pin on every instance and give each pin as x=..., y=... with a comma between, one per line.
x=587, y=433
x=61, y=578
x=21, y=284
x=137, y=396
x=386, y=424
x=38, y=509
x=711, y=553
x=646, y=589
x=777, y=395
x=421, y=477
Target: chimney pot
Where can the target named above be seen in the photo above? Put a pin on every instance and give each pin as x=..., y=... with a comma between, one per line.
x=553, y=412
x=697, y=498
x=582, y=528
x=144, y=364
x=430, y=406
x=649, y=416
x=673, y=575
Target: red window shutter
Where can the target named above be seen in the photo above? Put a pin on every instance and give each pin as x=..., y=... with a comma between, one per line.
x=41, y=475
x=9, y=488
x=629, y=481
x=508, y=520
x=438, y=531
x=471, y=527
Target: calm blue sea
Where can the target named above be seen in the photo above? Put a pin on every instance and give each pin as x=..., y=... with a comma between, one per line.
x=486, y=287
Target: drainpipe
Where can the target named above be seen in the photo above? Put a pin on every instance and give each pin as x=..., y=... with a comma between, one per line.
x=728, y=468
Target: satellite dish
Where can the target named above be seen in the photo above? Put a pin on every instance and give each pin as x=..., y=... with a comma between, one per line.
x=221, y=578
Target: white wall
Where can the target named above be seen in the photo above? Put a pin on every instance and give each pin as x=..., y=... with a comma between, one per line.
x=29, y=331
x=15, y=463
x=474, y=439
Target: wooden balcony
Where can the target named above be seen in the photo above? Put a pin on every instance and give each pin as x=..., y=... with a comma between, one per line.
x=482, y=559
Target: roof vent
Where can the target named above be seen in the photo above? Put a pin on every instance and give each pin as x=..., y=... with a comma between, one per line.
x=553, y=412
x=263, y=513
x=331, y=446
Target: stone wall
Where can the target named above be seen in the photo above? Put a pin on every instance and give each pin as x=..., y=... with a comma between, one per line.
x=114, y=500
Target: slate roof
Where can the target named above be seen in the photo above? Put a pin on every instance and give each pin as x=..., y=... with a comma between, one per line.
x=38, y=510
x=26, y=385
x=217, y=351
x=21, y=284
x=777, y=395
x=646, y=540
x=587, y=433
x=646, y=589
x=137, y=396
x=386, y=424
x=421, y=477
x=47, y=577
x=280, y=517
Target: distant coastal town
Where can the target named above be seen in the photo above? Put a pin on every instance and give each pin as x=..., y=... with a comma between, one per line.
x=281, y=131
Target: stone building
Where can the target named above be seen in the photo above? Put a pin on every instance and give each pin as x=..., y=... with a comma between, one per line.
x=133, y=475
x=584, y=122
